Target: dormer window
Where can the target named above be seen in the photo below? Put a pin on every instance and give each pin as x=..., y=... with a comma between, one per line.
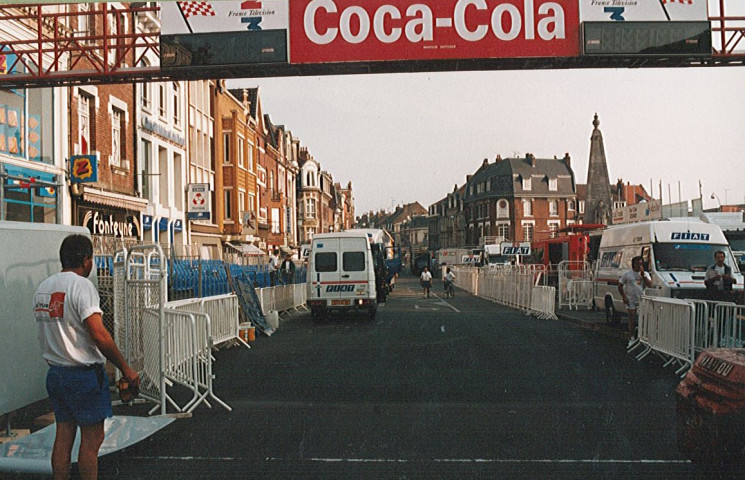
x=527, y=183
x=553, y=184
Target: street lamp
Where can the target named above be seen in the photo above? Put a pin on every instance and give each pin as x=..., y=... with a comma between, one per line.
x=715, y=196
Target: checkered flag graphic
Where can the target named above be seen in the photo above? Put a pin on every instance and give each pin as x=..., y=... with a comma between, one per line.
x=192, y=9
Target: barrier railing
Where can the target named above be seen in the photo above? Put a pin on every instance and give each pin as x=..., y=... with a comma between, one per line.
x=510, y=285
x=575, y=284
x=667, y=327
x=283, y=298
x=188, y=357
x=543, y=302
x=165, y=346
x=730, y=319
x=223, y=315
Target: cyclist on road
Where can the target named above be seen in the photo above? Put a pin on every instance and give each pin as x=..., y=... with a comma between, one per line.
x=449, y=278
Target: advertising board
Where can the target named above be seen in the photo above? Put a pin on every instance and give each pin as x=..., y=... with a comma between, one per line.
x=651, y=210
x=642, y=10
x=371, y=30
x=223, y=16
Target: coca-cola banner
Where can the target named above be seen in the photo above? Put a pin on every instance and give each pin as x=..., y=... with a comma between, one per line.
x=375, y=30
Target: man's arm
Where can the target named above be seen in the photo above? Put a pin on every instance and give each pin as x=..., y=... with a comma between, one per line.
x=102, y=338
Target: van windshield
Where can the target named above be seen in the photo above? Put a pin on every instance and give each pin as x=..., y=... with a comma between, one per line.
x=688, y=257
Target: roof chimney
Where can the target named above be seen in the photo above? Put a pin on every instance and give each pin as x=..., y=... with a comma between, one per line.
x=532, y=160
x=485, y=162
x=568, y=160
x=498, y=159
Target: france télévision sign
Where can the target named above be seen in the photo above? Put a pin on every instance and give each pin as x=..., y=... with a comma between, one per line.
x=643, y=10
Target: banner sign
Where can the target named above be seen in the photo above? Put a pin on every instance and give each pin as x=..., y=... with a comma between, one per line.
x=651, y=210
x=643, y=10
x=371, y=30
x=223, y=16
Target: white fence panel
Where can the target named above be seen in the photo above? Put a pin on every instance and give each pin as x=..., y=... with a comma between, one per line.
x=667, y=326
x=575, y=284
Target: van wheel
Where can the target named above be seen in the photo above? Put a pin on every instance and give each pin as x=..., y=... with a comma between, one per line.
x=610, y=312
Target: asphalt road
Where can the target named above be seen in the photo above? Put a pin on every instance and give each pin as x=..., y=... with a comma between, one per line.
x=430, y=389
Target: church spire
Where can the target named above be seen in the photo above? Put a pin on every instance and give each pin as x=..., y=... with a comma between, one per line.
x=598, y=206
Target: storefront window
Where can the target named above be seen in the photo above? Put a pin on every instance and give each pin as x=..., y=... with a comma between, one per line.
x=26, y=126
x=23, y=201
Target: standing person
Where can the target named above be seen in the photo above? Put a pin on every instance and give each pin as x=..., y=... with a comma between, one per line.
x=426, y=279
x=75, y=344
x=288, y=270
x=719, y=279
x=631, y=286
x=273, y=265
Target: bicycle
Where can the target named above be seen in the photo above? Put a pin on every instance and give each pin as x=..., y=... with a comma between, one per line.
x=449, y=290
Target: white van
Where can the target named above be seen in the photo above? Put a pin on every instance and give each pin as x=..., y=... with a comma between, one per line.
x=676, y=254
x=341, y=273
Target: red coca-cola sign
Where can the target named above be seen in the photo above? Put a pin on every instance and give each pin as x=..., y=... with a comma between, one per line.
x=375, y=30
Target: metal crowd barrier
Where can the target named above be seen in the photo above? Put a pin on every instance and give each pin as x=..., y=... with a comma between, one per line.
x=188, y=357
x=510, y=285
x=223, y=315
x=575, y=284
x=282, y=298
x=165, y=346
x=667, y=327
x=543, y=302
x=730, y=320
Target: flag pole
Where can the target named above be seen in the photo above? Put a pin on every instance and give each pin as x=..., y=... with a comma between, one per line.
x=181, y=10
x=664, y=9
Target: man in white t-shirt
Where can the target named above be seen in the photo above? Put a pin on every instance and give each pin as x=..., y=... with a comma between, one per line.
x=273, y=267
x=631, y=286
x=719, y=279
x=426, y=279
x=75, y=344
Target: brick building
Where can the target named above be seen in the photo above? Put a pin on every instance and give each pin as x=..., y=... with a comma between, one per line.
x=519, y=199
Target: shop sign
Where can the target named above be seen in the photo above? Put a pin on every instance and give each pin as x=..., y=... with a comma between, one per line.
x=83, y=168
x=110, y=223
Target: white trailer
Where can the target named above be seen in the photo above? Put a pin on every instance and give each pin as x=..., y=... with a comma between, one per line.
x=30, y=254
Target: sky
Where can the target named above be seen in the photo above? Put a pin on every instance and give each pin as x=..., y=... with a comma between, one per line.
x=402, y=138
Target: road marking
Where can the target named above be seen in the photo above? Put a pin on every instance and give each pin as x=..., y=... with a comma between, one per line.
x=433, y=460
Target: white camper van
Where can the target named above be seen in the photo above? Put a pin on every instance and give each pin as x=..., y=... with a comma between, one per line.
x=676, y=254
x=341, y=273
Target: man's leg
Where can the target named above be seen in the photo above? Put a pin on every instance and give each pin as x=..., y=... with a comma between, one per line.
x=632, y=322
x=62, y=449
x=91, y=438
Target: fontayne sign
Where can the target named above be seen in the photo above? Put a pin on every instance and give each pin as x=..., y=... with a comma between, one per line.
x=371, y=30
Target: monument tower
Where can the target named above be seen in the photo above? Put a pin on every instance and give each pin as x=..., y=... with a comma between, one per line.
x=598, y=206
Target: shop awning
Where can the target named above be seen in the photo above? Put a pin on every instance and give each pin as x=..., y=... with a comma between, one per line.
x=247, y=248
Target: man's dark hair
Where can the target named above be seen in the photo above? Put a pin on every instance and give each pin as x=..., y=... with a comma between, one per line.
x=638, y=258
x=718, y=252
x=75, y=248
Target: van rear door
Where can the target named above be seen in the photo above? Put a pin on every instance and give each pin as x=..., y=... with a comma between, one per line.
x=326, y=268
x=355, y=273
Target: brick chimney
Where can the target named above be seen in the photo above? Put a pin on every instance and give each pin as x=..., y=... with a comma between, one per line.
x=568, y=160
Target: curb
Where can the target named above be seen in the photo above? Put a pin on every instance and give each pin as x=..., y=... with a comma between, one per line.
x=603, y=328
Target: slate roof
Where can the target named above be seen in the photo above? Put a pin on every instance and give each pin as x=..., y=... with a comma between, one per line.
x=503, y=178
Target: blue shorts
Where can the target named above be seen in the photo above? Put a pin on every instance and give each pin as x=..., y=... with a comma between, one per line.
x=79, y=394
